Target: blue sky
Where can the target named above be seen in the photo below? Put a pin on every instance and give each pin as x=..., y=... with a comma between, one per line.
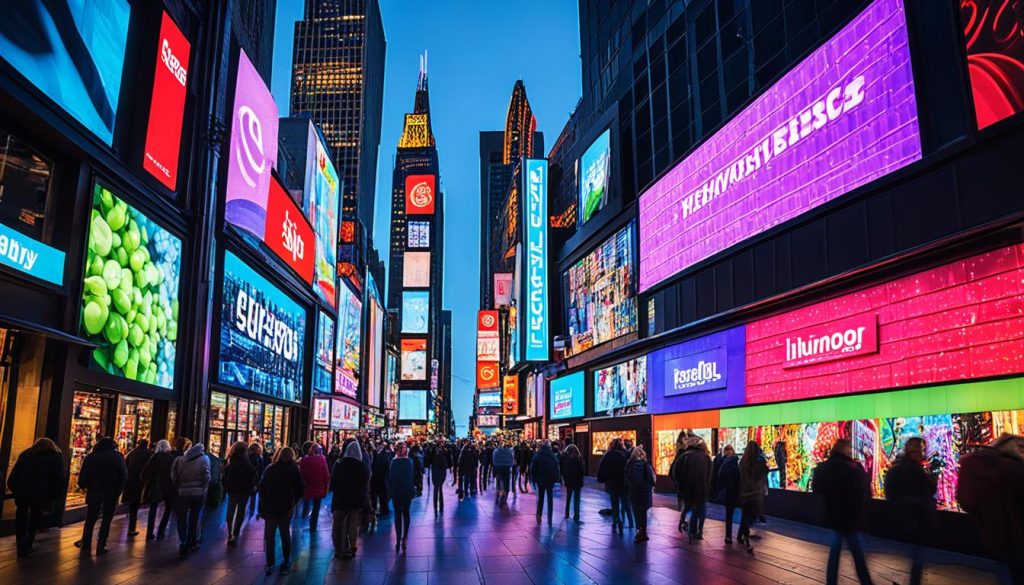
x=477, y=50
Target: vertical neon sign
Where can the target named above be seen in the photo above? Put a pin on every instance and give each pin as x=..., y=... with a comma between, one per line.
x=535, y=301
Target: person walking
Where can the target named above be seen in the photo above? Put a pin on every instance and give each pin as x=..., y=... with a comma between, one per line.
x=37, y=482
x=640, y=481
x=380, y=469
x=545, y=473
x=611, y=472
x=780, y=461
x=468, y=462
x=753, y=484
x=240, y=481
x=504, y=460
x=486, y=463
x=726, y=481
x=317, y=478
x=191, y=476
x=416, y=454
x=255, y=453
x=401, y=489
x=158, y=488
x=102, y=476
x=694, y=478
x=280, y=490
x=136, y=462
x=674, y=472
x=439, y=465
x=571, y=467
x=910, y=488
x=350, y=489
x=843, y=487
x=523, y=460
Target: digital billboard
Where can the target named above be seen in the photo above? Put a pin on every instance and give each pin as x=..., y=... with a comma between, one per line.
x=489, y=400
x=262, y=334
x=346, y=355
x=534, y=303
x=502, y=289
x=412, y=405
x=601, y=294
x=252, y=150
x=420, y=194
x=594, y=169
x=702, y=373
x=375, y=348
x=321, y=415
x=566, y=396
x=167, y=106
x=843, y=117
x=391, y=382
x=416, y=270
x=414, y=359
x=487, y=420
x=622, y=388
x=323, y=363
x=288, y=234
x=321, y=203
x=73, y=52
x=30, y=256
x=510, y=395
x=419, y=234
x=344, y=416
x=130, y=292
x=415, y=311
x=995, y=58
x=487, y=375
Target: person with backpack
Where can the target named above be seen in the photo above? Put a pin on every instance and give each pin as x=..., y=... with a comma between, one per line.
x=158, y=488
x=280, y=490
x=317, y=478
x=571, y=465
x=611, y=472
x=350, y=496
x=240, y=481
x=136, y=462
x=753, y=485
x=37, y=482
x=545, y=473
x=640, y=480
x=102, y=476
x=191, y=476
x=844, y=488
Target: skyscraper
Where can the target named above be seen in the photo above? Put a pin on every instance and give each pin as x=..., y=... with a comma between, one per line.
x=253, y=24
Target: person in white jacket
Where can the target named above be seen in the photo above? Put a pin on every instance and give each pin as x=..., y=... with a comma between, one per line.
x=191, y=476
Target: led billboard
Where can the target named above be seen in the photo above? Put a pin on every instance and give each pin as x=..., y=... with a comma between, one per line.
x=419, y=234
x=321, y=415
x=288, y=234
x=566, y=395
x=699, y=374
x=375, y=329
x=487, y=420
x=487, y=375
x=489, y=400
x=534, y=303
x=412, y=405
x=601, y=293
x=344, y=416
x=321, y=203
x=995, y=58
x=414, y=359
x=415, y=311
x=346, y=355
x=502, y=289
x=420, y=194
x=843, y=117
x=323, y=363
x=416, y=270
x=510, y=395
x=594, y=169
x=167, y=106
x=622, y=388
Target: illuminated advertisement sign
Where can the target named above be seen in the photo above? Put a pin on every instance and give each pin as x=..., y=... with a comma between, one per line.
x=487, y=375
x=535, y=225
x=488, y=349
x=502, y=289
x=323, y=365
x=321, y=202
x=288, y=233
x=253, y=150
x=487, y=323
x=420, y=194
x=412, y=405
x=799, y=145
x=415, y=311
x=31, y=257
x=73, y=51
x=489, y=400
x=391, y=382
x=414, y=359
x=167, y=106
x=262, y=334
x=960, y=320
x=344, y=416
x=321, y=412
x=416, y=270
x=567, y=395
x=487, y=420
x=376, y=349
x=510, y=392
x=594, y=166
x=702, y=373
x=602, y=298
x=130, y=290
x=622, y=388
x=419, y=234
x=346, y=353
x=995, y=58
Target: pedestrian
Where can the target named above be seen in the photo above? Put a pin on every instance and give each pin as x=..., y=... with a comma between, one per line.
x=350, y=489
x=843, y=487
x=468, y=462
x=504, y=461
x=317, y=478
x=525, y=456
x=102, y=476
x=640, y=481
x=240, y=481
x=545, y=473
x=990, y=489
x=675, y=474
x=571, y=467
x=333, y=456
x=780, y=461
x=381, y=467
x=37, y=482
x=486, y=462
x=191, y=476
x=258, y=463
x=401, y=489
x=611, y=471
x=438, y=473
x=158, y=488
x=726, y=481
x=416, y=454
x=753, y=483
x=136, y=462
x=215, y=491
x=911, y=490
x=694, y=478
x=280, y=490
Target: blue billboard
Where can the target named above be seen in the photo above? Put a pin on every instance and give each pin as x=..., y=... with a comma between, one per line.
x=323, y=362
x=533, y=308
x=415, y=311
x=412, y=405
x=702, y=373
x=566, y=396
x=593, y=177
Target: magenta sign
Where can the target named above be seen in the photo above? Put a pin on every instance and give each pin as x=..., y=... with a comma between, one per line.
x=253, y=150
x=833, y=341
x=843, y=117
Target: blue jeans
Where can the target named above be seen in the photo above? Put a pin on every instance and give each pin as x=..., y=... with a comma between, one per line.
x=188, y=508
x=626, y=509
x=570, y=494
x=700, y=511
x=853, y=540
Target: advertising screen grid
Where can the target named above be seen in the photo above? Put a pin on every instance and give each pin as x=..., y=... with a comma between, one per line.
x=419, y=234
x=602, y=296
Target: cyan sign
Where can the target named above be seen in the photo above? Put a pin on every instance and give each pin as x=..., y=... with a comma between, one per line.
x=24, y=254
x=698, y=372
x=535, y=301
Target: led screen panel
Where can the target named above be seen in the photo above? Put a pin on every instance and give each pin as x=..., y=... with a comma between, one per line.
x=419, y=234
x=567, y=396
x=130, y=292
x=602, y=294
x=699, y=374
x=420, y=194
x=489, y=400
x=416, y=270
x=995, y=58
x=167, y=106
x=321, y=412
x=412, y=405
x=487, y=420
x=535, y=243
x=376, y=351
x=347, y=356
x=414, y=359
x=262, y=334
x=288, y=234
x=595, y=165
x=322, y=193
x=487, y=375
x=843, y=117
x=323, y=362
x=73, y=52
x=621, y=389
x=344, y=416
x=391, y=382
x=415, y=311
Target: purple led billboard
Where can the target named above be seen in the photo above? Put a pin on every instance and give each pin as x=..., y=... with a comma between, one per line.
x=703, y=373
x=841, y=118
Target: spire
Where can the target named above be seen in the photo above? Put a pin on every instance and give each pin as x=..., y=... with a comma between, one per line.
x=416, y=132
x=519, y=125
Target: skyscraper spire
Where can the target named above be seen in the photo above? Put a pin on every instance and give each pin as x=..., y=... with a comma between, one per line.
x=416, y=133
x=519, y=125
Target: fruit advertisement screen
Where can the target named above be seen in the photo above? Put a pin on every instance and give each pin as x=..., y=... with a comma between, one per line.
x=130, y=292
x=602, y=293
x=594, y=169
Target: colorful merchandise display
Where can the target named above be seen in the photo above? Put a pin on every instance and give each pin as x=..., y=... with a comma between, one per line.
x=600, y=440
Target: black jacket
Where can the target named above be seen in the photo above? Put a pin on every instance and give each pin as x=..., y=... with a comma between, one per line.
x=727, y=481
x=468, y=461
x=612, y=471
x=843, y=485
x=136, y=462
x=239, y=477
x=693, y=475
x=156, y=477
x=280, y=489
x=911, y=489
x=487, y=456
x=544, y=468
x=572, y=472
x=380, y=468
x=103, y=472
x=349, y=481
x=37, y=477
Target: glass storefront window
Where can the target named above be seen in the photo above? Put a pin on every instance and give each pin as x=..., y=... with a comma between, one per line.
x=90, y=414
x=21, y=370
x=218, y=408
x=601, y=439
x=134, y=422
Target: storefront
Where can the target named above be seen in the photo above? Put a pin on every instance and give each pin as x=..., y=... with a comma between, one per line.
x=635, y=428
x=234, y=418
x=667, y=430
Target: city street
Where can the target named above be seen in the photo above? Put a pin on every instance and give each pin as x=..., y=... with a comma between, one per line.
x=474, y=542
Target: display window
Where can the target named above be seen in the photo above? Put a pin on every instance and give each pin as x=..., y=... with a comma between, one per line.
x=600, y=440
x=233, y=418
x=667, y=429
x=134, y=422
x=90, y=416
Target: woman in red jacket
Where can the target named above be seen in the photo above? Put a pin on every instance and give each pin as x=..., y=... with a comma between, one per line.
x=317, y=478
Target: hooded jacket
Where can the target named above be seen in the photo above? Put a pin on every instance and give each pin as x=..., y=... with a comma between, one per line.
x=544, y=468
x=640, y=481
x=191, y=472
x=37, y=476
x=400, y=480
x=280, y=488
x=612, y=471
x=350, y=481
x=103, y=472
x=572, y=470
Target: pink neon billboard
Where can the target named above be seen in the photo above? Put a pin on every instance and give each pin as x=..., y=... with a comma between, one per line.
x=841, y=118
x=959, y=321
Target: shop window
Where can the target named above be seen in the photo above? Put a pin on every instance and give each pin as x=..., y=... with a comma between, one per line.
x=90, y=415
x=24, y=186
x=21, y=369
x=600, y=440
x=134, y=422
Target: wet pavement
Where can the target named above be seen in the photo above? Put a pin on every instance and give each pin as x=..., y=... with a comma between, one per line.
x=476, y=542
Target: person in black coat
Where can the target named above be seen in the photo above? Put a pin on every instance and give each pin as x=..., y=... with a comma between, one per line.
x=911, y=490
x=693, y=476
x=469, y=459
x=259, y=464
x=36, y=480
x=351, y=495
x=280, y=489
x=571, y=465
x=240, y=480
x=726, y=481
x=136, y=462
x=437, y=462
x=640, y=481
x=381, y=466
x=158, y=487
x=843, y=486
x=611, y=472
x=545, y=473
x=486, y=458
x=103, y=476
x=780, y=461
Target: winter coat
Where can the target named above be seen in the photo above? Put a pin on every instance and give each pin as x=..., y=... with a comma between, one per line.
x=544, y=468
x=258, y=464
x=640, y=483
x=240, y=477
x=136, y=462
x=843, y=486
x=990, y=489
x=611, y=471
x=191, y=472
x=37, y=477
x=727, y=482
x=524, y=455
x=380, y=470
x=753, y=482
x=439, y=465
x=349, y=481
x=315, y=475
x=280, y=488
x=911, y=490
x=400, y=480
x=693, y=475
x=156, y=477
x=103, y=472
x=572, y=472
x=468, y=461
x=780, y=455
x=487, y=456
x=503, y=457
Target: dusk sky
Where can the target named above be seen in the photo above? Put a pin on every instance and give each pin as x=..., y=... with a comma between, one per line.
x=477, y=50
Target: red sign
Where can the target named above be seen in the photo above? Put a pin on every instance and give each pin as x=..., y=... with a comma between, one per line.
x=419, y=194
x=167, y=106
x=487, y=375
x=487, y=323
x=832, y=341
x=288, y=233
x=510, y=403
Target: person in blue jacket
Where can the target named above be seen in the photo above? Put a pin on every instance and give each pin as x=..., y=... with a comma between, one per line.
x=401, y=488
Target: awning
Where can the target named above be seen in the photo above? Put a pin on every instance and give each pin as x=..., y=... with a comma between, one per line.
x=29, y=327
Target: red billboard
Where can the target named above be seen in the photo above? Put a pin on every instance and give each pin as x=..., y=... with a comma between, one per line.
x=288, y=233
x=487, y=375
x=995, y=57
x=487, y=322
x=420, y=194
x=510, y=401
x=167, y=106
